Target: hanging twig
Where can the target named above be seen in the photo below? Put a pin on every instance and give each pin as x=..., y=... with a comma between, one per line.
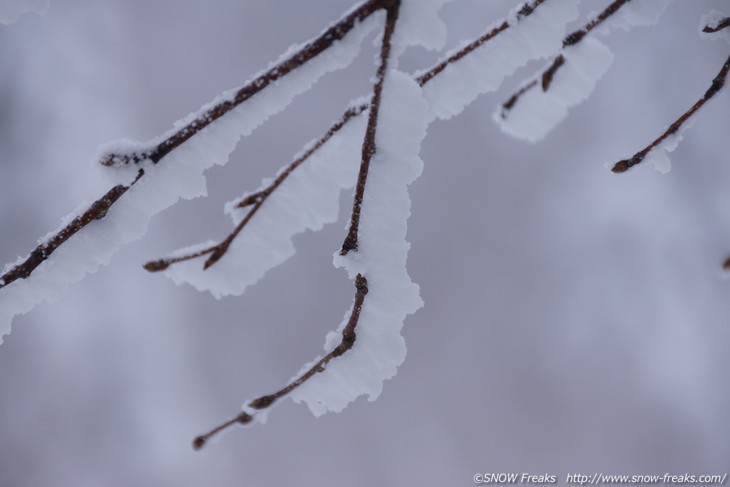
x=263, y=402
x=96, y=211
x=368, y=146
x=259, y=198
x=369, y=149
x=717, y=84
x=99, y=208
x=546, y=78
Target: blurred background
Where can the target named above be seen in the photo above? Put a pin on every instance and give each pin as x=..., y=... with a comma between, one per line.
x=576, y=321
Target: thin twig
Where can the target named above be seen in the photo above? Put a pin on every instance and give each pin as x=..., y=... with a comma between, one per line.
x=717, y=83
x=311, y=50
x=546, y=78
x=39, y=254
x=99, y=208
x=721, y=24
x=368, y=146
x=96, y=211
x=259, y=198
x=527, y=9
x=348, y=340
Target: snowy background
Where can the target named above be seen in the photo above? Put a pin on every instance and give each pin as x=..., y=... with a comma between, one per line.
x=575, y=320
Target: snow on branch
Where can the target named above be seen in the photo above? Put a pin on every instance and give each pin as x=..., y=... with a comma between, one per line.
x=657, y=150
x=173, y=167
x=671, y=137
x=306, y=199
x=530, y=113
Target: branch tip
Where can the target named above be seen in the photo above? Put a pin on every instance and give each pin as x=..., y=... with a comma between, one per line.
x=721, y=24
x=156, y=265
x=199, y=442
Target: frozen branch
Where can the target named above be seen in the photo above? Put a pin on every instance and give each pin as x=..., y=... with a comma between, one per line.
x=348, y=340
x=717, y=84
x=259, y=198
x=546, y=78
x=718, y=26
x=96, y=211
x=99, y=208
x=368, y=145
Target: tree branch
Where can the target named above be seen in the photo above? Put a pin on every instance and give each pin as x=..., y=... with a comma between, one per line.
x=348, y=340
x=546, y=78
x=368, y=146
x=721, y=24
x=259, y=198
x=99, y=208
x=96, y=211
x=717, y=84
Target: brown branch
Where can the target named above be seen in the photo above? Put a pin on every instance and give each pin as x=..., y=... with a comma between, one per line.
x=527, y=9
x=257, y=199
x=348, y=340
x=717, y=84
x=546, y=78
x=368, y=146
x=96, y=211
x=99, y=208
x=311, y=50
x=721, y=24
x=44, y=250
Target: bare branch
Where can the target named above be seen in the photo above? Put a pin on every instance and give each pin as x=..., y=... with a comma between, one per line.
x=571, y=39
x=348, y=340
x=368, y=145
x=715, y=87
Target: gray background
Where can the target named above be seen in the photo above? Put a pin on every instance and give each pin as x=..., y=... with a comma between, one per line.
x=575, y=320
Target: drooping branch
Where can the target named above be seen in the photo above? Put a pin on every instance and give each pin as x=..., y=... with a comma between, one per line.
x=311, y=50
x=717, y=84
x=546, y=78
x=348, y=340
x=368, y=146
x=259, y=198
x=527, y=9
x=99, y=208
x=96, y=211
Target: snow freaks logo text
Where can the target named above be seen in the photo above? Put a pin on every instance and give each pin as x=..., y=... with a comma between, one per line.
x=514, y=478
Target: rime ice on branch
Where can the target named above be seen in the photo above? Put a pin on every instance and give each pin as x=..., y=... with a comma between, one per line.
x=542, y=102
x=656, y=151
x=533, y=30
x=199, y=141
